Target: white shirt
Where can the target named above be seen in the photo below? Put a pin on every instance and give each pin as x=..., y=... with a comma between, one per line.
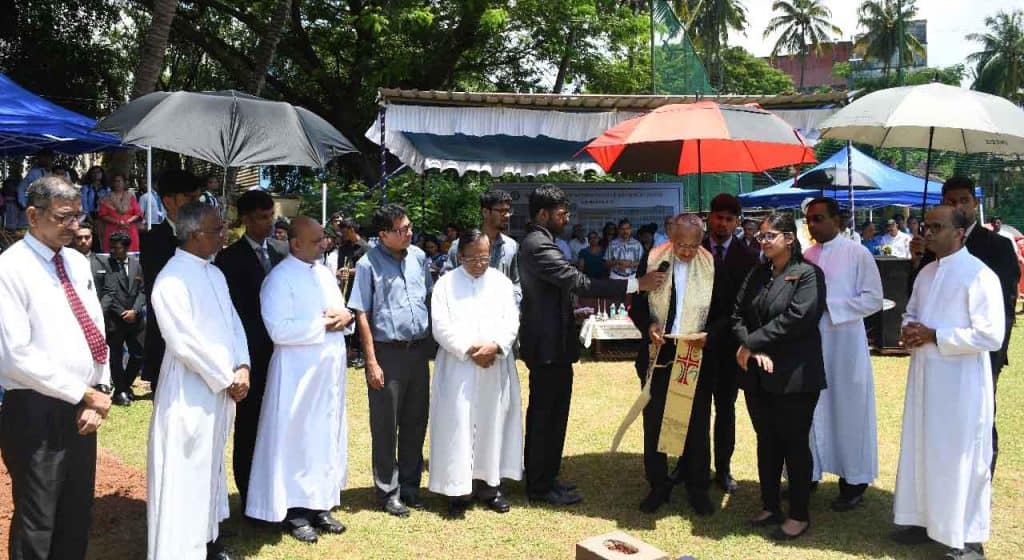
x=680, y=276
x=851, y=234
x=147, y=201
x=898, y=244
x=42, y=346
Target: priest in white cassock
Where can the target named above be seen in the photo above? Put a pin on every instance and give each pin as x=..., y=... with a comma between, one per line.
x=844, y=438
x=299, y=466
x=954, y=318
x=476, y=430
x=205, y=370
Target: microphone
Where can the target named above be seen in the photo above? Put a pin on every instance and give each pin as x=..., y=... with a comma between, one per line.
x=663, y=267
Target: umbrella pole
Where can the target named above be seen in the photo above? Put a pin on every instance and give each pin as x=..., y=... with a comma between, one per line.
x=927, y=171
x=224, y=194
x=323, y=203
x=700, y=181
x=149, y=188
x=849, y=173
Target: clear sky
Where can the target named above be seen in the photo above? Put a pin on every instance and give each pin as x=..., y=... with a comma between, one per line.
x=948, y=22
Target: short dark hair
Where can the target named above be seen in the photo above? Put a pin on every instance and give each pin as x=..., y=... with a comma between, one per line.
x=281, y=224
x=349, y=223
x=993, y=219
x=624, y=222
x=452, y=225
x=899, y=217
x=726, y=202
x=384, y=217
x=254, y=201
x=120, y=238
x=176, y=181
x=958, y=182
x=468, y=237
x=547, y=197
x=86, y=224
x=494, y=197
x=831, y=206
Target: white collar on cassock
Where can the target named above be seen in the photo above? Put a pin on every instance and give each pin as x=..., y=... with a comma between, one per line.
x=194, y=258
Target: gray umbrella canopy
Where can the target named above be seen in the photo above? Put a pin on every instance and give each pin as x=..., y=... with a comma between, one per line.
x=836, y=178
x=228, y=128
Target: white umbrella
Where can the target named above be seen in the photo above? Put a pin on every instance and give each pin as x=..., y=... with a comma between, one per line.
x=931, y=116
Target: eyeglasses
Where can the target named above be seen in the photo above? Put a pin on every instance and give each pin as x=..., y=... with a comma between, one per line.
x=934, y=227
x=67, y=220
x=563, y=214
x=768, y=236
x=502, y=211
x=682, y=246
x=404, y=230
x=218, y=231
x=476, y=260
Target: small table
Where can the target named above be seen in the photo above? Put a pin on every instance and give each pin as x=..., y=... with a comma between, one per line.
x=603, y=331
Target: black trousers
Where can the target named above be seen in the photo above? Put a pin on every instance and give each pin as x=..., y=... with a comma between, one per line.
x=695, y=462
x=782, y=423
x=995, y=433
x=247, y=419
x=398, y=417
x=547, y=416
x=53, y=474
x=725, y=393
x=121, y=376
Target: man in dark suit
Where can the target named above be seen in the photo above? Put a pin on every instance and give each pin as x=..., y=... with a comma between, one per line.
x=733, y=261
x=996, y=251
x=245, y=263
x=157, y=246
x=82, y=243
x=124, y=308
x=548, y=341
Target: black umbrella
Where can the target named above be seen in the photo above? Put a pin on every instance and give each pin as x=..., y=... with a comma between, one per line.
x=228, y=128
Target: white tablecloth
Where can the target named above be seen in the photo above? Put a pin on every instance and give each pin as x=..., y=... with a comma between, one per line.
x=611, y=329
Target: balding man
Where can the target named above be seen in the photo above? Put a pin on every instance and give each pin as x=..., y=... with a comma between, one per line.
x=299, y=467
x=52, y=355
x=678, y=308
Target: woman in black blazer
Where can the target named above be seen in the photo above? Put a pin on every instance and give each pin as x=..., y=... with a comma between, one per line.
x=776, y=322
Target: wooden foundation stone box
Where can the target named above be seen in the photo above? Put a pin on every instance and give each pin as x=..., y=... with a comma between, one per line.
x=617, y=546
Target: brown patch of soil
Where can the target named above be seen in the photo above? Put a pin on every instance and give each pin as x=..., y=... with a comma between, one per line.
x=119, y=511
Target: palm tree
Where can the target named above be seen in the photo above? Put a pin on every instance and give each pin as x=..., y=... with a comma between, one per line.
x=1000, y=62
x=712, y=19
x=804, y=24
x=881, y=42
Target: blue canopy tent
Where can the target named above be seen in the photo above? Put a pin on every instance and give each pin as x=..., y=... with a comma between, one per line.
x=896, y=188
x=29, y=123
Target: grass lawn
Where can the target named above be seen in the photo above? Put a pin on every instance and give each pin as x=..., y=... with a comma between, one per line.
x=613, y=485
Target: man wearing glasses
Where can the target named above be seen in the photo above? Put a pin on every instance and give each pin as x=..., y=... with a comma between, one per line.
x=52, y=356
x=390, y=295
x=495, y=214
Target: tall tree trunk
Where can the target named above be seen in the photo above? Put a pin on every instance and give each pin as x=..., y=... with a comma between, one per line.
x=803, y=67
x=267, y=48
x=151, y=64
x=563, y=64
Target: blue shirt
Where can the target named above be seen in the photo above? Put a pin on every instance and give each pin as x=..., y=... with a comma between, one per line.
x=393, y=293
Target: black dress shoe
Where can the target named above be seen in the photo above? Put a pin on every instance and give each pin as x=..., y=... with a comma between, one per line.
x=970, y=551
x=842, y=504
x=324, y=522
x=457, y=508
x=394, y=505
x=656, y=498
x=701, y=503
x=780, y=535
x=726, y=482
x=414, y=501
x=557, y=498
x=497, y=504
x=214, y=551
x=912, y=535
x=121, y=399
x=775, y=518
x=564, y=486
x=303, y=533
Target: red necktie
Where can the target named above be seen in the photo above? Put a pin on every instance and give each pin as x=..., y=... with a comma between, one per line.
x=97, y=345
